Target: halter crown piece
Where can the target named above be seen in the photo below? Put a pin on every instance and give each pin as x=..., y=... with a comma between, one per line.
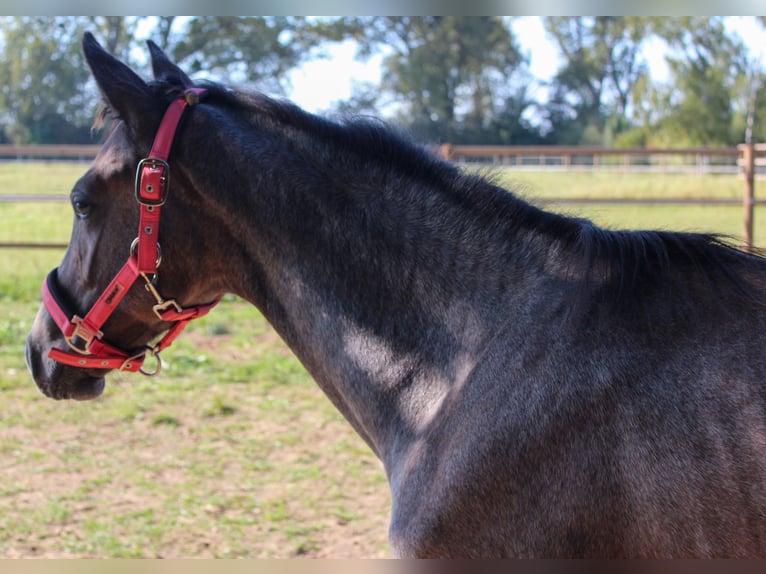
x=83, y=334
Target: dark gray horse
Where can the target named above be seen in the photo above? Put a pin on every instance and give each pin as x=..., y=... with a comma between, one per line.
x=535, y=386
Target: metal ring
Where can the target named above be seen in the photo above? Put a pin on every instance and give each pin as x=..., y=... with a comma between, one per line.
x=158, y=366
x=134, y=247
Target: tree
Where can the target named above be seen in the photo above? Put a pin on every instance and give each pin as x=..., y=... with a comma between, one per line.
x=46, y=95
x=452, y=77
x=708, y=69
x=255, y=50
x=591, y=93
x=41, y=77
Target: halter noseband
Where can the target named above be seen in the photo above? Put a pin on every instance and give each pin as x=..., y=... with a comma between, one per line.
x=83, y=334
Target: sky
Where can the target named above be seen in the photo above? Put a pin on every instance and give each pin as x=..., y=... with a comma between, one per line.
x=317, y=84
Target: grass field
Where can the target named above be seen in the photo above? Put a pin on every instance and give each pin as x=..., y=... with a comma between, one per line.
x=232, y=451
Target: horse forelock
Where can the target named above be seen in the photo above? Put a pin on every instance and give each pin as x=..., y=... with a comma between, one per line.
x=103, y=116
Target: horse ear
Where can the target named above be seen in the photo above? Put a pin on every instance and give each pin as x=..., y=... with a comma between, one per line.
x=163, y=68
x=124, y=91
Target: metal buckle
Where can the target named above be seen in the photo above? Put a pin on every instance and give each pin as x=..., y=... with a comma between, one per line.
x=127, y=364
x=162, y=303
x=81, y=339
x=153, y=163
x=164, y=306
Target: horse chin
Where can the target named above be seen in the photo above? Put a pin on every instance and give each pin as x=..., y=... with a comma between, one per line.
x=60, y=382
x=77, y=386
x=85, y=389
x=74, y=386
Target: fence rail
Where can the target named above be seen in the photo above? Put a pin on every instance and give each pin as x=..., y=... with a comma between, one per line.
x=743, y=160
x=48, y=152
x=699, y=159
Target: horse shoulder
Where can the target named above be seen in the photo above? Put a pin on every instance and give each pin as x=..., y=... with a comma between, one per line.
x=471, y=486
x=544, y=451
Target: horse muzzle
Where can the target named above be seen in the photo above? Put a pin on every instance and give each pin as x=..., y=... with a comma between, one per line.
x=55, y=380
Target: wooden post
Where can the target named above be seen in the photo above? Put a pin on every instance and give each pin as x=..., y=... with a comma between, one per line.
x=748, y=199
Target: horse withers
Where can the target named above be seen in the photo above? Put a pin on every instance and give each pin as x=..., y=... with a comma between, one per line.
x=534, y=385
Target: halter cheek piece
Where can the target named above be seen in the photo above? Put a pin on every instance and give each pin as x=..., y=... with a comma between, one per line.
x=83, y=334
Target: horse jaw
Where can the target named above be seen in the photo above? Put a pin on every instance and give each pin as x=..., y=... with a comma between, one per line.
x=55, y=380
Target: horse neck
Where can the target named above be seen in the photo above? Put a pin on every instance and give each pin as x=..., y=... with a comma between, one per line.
x=383, y=282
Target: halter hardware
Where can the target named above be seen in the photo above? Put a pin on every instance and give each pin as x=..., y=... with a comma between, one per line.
x=83, y=335
x=162, y=305
x=152, y=181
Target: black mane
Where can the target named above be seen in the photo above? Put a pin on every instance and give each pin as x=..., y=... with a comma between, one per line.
x=630, y=266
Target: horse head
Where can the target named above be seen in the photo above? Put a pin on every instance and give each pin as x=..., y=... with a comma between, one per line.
x=121, y=283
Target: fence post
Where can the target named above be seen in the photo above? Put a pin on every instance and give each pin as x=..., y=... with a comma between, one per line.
x=748, y=200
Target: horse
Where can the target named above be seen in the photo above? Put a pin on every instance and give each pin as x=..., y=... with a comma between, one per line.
x=533, y=384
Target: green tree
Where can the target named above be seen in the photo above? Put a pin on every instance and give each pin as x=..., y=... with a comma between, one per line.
x=46, y=94
x=45, y=91
x=254, y=50
x=41, y=77
x=708, y=67
x=452, y=77
x=591, y=93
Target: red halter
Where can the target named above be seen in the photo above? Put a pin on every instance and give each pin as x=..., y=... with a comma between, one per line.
x=84, y=335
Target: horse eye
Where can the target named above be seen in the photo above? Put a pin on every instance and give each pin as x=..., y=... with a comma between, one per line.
x=81, y=206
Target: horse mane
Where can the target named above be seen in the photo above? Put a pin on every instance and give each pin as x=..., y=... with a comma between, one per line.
x=625, y=265
x=611, y=266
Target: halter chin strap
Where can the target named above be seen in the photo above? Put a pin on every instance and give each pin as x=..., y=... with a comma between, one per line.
x=83, y=334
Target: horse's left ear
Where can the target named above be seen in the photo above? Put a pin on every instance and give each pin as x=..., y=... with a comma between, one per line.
x=124, y=91
x=164, y=69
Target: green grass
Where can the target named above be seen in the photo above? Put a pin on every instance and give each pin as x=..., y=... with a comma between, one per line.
x=191, y=463
x=39, y=178
x=22, y=271
x=615, y=184
x=232, y=452
x=540, y=187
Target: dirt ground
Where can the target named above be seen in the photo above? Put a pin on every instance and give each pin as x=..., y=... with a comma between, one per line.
x=179, y=468
x=96, y=501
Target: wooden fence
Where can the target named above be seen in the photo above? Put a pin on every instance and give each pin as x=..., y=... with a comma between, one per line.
x=701, y=160
x=746, y=161
x=48, y=152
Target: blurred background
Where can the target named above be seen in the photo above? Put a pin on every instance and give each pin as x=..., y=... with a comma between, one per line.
x=609, y=80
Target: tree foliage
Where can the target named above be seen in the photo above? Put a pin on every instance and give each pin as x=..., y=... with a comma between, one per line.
x=602, y=65
x=454, y=78
x=448, y=78
x=46, y=94
x=41, y=70
x=707, y=73
x=251, y=50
